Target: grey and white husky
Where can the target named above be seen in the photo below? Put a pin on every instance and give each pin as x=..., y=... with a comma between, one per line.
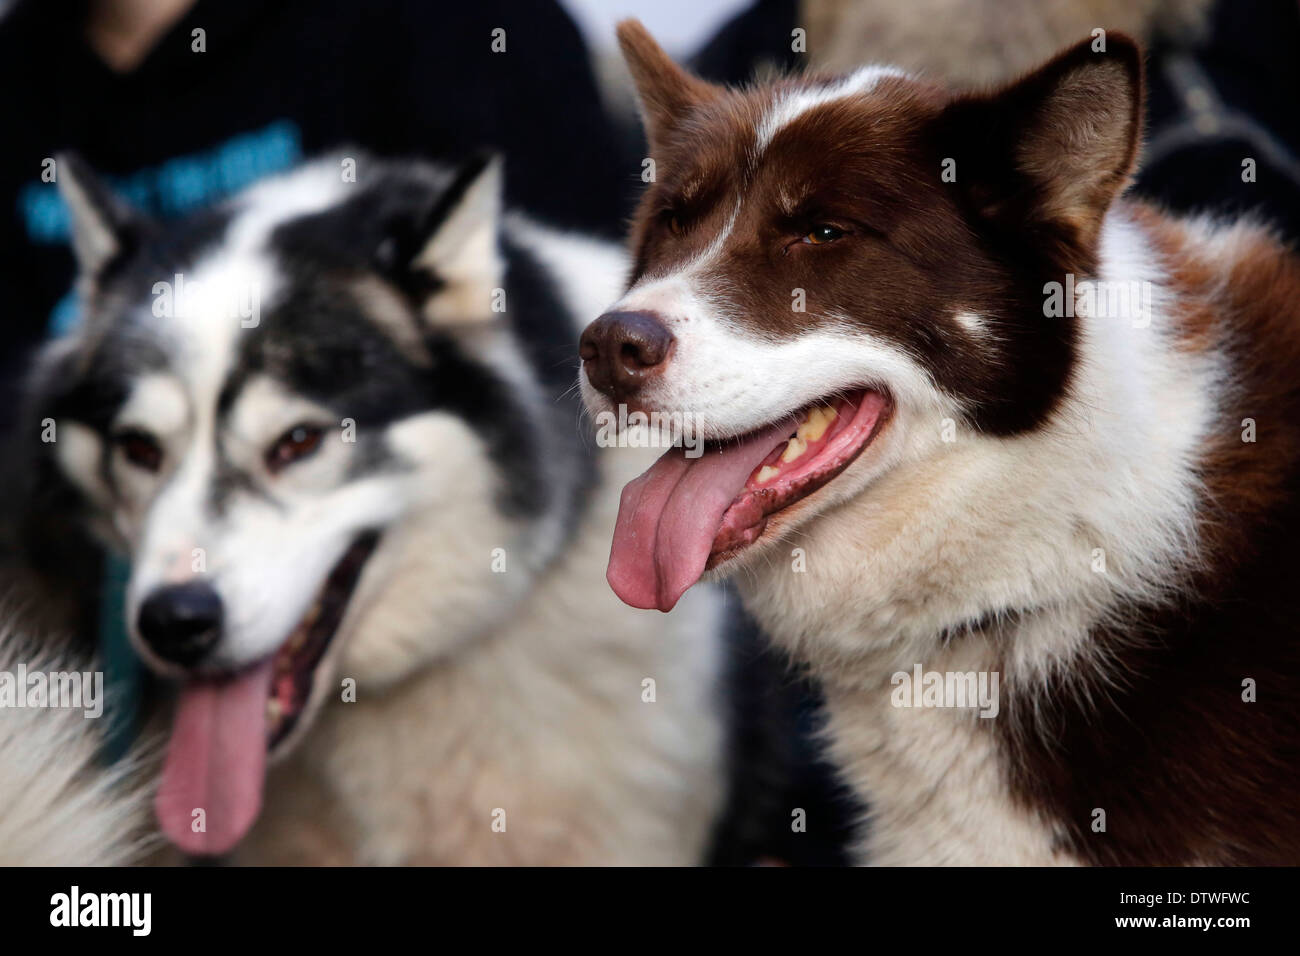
x=330, y=424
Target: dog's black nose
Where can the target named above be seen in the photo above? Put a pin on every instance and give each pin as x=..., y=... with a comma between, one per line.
x=181, y=622
x=621, y=351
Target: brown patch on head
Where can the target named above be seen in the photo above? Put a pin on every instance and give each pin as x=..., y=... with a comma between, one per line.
x=1037, y=165
x=700, y=172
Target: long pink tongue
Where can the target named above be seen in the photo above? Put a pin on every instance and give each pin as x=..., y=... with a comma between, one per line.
x=668, y=517
x=216, y=762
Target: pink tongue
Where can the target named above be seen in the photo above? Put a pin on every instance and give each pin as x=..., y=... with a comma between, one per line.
x=668, y=518
x=215, y=762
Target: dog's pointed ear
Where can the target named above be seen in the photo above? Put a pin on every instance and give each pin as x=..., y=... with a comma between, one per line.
x=666, y=91
x=1052, y=150
x=457, y=250
x=104, y=226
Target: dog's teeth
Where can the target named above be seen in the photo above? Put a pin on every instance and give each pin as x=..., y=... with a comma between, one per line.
x=273, y=711
x=299, y=638
x=766, y=474
x=794, y=450
x=814, y=426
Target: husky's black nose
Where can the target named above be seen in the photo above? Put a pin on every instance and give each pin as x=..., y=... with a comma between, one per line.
x=181, y=622
x=621, y=351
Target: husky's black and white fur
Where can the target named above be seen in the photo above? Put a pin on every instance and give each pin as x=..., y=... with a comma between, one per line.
x=328, y=422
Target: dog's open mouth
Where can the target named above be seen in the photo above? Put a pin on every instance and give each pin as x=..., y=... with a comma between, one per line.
x=294, y=666
x=684, y=516
x=224, y=728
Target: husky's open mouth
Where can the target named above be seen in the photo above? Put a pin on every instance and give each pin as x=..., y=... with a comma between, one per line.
x=684, y=516
x=294, y=666
x=224, y=728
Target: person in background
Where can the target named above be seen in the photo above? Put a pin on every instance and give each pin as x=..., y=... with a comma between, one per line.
x=183, y=102
x=1222, y=76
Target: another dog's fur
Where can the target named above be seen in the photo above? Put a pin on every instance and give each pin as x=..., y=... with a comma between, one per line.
x=507, y=708
x=970, y=42
x=1098, y=507
x=59, y=804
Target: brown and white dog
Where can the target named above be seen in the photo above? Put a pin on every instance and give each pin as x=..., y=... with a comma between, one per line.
x=980, y=427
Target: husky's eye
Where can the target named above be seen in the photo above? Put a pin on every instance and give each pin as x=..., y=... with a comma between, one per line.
x=823, y=233
x=140, y=448
x=294, y=445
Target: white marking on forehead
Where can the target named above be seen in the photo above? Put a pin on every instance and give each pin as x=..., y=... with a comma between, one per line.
x=78, y=451
x=793, y=105
x=782, y=113
x=277, y=200
x=715, y=247
x=266, y=408
x=239, y=273
x=972, y=323
x=208, y=314
x=156, y=404
x=692, y=267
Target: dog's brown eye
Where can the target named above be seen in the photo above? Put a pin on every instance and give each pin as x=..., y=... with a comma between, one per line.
x=294, y=445
x=822, y=234
x=673, y=221
x=140, y=448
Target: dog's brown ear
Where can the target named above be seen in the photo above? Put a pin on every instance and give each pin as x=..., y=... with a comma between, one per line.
x=666, y=91
x=1058, y=145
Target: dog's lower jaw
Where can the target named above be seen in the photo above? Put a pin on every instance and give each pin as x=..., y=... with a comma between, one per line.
x=419, y=772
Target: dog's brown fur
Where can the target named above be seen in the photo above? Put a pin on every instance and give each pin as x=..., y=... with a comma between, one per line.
x=1149, y=721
